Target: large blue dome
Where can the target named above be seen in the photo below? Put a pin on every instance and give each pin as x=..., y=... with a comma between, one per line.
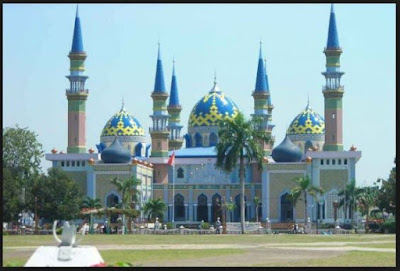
x=212, y=108
x=307, y=122
x=123, y=124
x=116, y=153
x=286, y=152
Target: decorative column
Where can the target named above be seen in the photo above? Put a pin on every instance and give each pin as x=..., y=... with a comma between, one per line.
x=77, y=94
x=333, y=91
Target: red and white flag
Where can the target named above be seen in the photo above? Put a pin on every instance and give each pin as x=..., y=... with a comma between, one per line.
x=171, y=160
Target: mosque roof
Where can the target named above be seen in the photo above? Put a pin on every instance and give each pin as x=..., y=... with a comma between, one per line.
x=123, y=124
x=195, y=152
x=77, y=43
x=333, y=39
x=116, y=153
x=212, y=108
x=287, y=151
x=307, y=122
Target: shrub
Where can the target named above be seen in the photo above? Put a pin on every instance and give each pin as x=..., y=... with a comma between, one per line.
x=205, y=225
x=170, y=225
x=389, y=226
x=5, y=233
x=59, y=230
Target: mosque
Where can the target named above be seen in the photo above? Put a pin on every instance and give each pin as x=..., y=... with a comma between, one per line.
x=195, y=188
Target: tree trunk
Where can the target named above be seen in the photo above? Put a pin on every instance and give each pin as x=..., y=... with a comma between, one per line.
x=305, y=209
x=256, y=213
x=242, y=212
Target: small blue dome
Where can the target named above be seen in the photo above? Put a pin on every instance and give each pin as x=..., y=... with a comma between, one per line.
x=212, y=108
x=306, y=123
x=116, y=153
x=286, y=152
x=123, y=124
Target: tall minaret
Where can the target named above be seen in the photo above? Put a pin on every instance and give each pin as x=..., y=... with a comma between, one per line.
x=159, y=132
x=174, y=110
x=333, y=91
x=261, y=105
x=77, y=94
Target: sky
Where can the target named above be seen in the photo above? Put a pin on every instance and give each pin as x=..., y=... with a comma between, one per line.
x=121, y=42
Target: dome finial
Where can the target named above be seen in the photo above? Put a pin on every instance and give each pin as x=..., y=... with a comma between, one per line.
x=123, y=104
x=215, y=76
x=308, y=100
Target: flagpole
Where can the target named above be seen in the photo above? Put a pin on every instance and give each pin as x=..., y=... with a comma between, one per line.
x=173, y=195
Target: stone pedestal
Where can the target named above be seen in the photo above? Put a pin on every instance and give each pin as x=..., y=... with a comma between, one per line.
x=47, y=256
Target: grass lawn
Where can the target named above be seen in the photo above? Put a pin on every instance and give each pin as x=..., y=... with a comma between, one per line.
x=103, y=239
x=351, y=258
x=14, y=253
x=140, y=257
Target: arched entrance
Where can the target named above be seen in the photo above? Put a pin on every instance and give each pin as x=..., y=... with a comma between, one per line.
x=216, y=208
x=236, y=214
x=112, y=201
x=202, y=212
x=179, y=211
x=286, y=208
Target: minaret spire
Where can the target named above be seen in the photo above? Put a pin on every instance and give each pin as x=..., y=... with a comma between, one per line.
x=77, y=43
x=174, y=110
x=261, y=84
x=333, y=39
x=159, y=85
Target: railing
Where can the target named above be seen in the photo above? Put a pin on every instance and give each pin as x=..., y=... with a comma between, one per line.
x=69, y=91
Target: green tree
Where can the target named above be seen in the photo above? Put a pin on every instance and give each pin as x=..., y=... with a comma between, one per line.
x=257, y=202
x=129, y=193
x=349, y=198
x=366, y=198
x=386, y=198
x=58, y=196
x=22, y=154
x=155, y=208
x=303, y=189
x=230, y=206
x=240, y=139
x=91, y=203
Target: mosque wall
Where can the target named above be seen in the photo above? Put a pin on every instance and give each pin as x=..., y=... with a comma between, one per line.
x=330, y=179
x=279, y=184
x=104, y=185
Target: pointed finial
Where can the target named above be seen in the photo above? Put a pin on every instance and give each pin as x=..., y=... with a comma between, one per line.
x=77, y=10
x=260, y=55
x=123, y=104
x=173, y=66
x=159, y=49
x=332, y=10
x=215, y=76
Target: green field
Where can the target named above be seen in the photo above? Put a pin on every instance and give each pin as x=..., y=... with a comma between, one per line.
x=222, y=250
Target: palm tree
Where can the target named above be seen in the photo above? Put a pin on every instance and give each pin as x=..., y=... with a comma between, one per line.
x=155, y=208
x=240, y=139
x=348, y=200
x=366, y=197
x=230, y=206
x=304, y=188
x=257, y=203
x=129, y=193
x=90, y=203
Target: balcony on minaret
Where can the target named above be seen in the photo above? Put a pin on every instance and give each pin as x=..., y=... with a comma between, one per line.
x=76, y=91
x=339, y=88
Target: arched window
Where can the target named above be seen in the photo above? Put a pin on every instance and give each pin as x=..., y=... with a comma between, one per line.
x=286, y=208
x=180, y=173
x=148, y=150
x=213, y=139
x=198, y=140
x=236, y=214
x=188, y=139
x=138, y=149
x=112, y=201
x=202, y=212
x=179, y=211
